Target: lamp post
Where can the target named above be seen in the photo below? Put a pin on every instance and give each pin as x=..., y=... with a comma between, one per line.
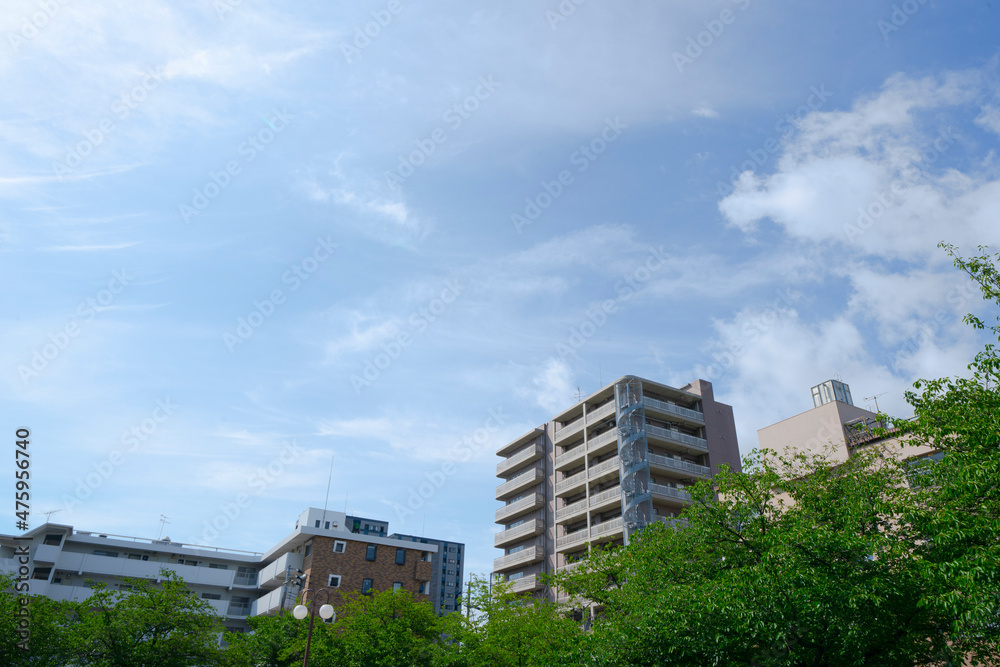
x=326, y=612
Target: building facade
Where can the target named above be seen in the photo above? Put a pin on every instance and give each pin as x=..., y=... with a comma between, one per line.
x=448, y=569
x=603, y=469
x=326, y=550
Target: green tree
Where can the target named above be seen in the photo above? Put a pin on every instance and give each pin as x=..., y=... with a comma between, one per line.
x=509, y=630
x=385, y=629
x=50, y=622
x=274, y=641
x=958, y=513
x=146, y=625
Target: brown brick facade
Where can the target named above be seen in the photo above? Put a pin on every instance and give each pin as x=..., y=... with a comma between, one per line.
x=353, y=567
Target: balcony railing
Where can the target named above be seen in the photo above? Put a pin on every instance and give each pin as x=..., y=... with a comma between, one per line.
x=570, y=482
x=573, y=538
x=603, y=496
x=603, y=467
x=527, y=455
x=570, y=510
x=521, y=506
x=570, y=456
x=525, y=479
x=602, y=439
x=568, y=429
x=526, y=529
x=681, y=466
x=526, y=555
x=601, y=412
x=670, y=492
x=676, y=436
x=674, y=409
x=523, y=584
x=606, y=528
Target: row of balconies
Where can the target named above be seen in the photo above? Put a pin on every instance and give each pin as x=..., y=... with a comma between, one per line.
x=527, y=529
x=524, y=480
x=676, y=410
x=527, y=504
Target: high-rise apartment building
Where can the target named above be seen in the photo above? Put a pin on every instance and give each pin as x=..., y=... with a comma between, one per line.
x=448, y=569
x=603, y=469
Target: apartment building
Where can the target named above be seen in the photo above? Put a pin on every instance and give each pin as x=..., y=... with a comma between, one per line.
x=61, y=560
x=448, y=569
x=325, y=550
x=836, y=428
x=603, y=469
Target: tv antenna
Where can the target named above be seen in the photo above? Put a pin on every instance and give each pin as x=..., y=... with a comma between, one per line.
x=164, y=519
x=50, y=513
x=579, y=394
x=875, y=398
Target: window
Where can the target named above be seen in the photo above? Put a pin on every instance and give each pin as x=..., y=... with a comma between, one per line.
x=366, y=587
x=53, y=540
x=397, y=585
x=309, y=548
x=370, y=552
x=328, y=525
x=42, y=573
x=109, y=554
x=400, y=556
x=334, y=581
x=181, y=561
x=339, y=547
x=451, y=560
x=425, y=556
x=211, y=596
x=317, y=523
x=138, y=556
x=212, y=566
x=423, y=588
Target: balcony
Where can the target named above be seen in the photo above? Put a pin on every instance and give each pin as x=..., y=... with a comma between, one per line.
x=676, y=410
x=517, y=533
x=569, y=429
x=523, y=584
x=603, y=441
x=670, y=493
x=274, y=574
x=607, y=529
x=677, y=438
x=523, y=457
x=520, y=483
x=571, y=510
x=571, y=458
x=608, y=469
x=522, y=557
x=46, y=553
x=522, y=506
x=90, y=564
x=570, y=485
x=676, y=465
x=600, y=413
x=573, y=539
x=606, y=497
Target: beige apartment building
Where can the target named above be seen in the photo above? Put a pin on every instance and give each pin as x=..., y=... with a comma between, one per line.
x=603, y=469
x=837, y=428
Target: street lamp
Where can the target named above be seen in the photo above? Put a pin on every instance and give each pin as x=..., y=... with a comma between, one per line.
x=326, y=612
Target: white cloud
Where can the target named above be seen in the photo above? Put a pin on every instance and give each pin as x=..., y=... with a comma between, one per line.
x=553, y=386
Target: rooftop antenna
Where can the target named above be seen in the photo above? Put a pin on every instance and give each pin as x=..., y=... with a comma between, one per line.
x=579, y=394
x=328, y=481
x=50, y=513
x=164, y=519
x=875, y=398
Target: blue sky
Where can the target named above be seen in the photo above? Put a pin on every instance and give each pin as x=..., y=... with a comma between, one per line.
x=239, y=237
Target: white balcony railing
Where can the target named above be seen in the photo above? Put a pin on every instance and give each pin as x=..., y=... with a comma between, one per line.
x=570, y=510
x=568, y=429
x=526, y=555
x=606, y=528
x=570, y=456
x=604, y=496
x=526, y=529
x=570, y=482
x=680, y=466
x=523, y=505
x=523, y=584
x=602, y=439
x=676, y=436
x=601, y=412
x=670, y=492
x=578, y=537
x=524, y=480
x=603, y=467
x=526, y=455
x=663, y=406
